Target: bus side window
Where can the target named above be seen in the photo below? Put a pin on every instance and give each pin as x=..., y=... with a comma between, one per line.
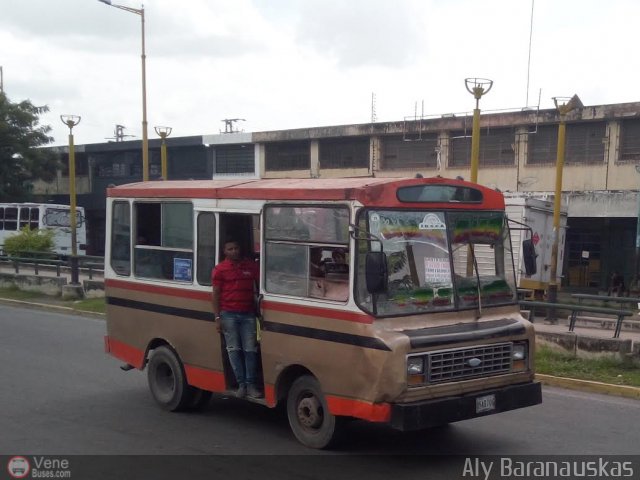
x=121, y=238
x=24, y=217
x=11, y=218
x=206, y=247
x=296, y=261
x=167, y=231
x=34, y=219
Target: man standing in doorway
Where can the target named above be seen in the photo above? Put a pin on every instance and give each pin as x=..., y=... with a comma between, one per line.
x=233, y=282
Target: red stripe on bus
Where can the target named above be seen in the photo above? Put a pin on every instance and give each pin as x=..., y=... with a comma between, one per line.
x=124, y=352
x=317, y=312
x=270, y=394
x=205, y=379
x=373, y=412
x=174, y=292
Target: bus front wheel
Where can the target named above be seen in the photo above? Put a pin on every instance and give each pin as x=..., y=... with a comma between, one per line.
x=167, y=381
x=309, y=418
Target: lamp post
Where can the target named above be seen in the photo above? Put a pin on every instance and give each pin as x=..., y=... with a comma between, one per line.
x=164, y=132
x=477, y=87
x=71, y=121
x=145, y=138
x=564, y=106
x=635, y=282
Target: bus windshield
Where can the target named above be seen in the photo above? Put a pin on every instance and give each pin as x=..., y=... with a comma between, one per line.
x=437, y=261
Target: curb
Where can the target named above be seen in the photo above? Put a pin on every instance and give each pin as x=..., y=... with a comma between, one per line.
x=51, y=308
x=589, y=386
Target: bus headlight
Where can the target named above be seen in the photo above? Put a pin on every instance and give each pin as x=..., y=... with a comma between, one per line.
x=519, y=357
x=415, y=366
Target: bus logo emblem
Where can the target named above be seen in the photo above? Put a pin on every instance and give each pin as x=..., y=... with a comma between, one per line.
x=474, y=362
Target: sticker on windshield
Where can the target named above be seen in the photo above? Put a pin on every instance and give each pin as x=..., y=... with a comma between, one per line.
x=432, y=222
x=437, y=271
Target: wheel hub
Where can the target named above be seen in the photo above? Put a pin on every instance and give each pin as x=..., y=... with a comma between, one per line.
x=310, y=412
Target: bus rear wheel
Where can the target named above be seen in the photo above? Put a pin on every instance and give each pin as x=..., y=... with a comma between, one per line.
x=167, y=380
x=310, y=420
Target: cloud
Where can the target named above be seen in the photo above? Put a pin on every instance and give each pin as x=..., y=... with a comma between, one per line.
x=359, y=32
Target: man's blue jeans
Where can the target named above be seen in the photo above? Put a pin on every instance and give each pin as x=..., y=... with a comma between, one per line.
x=239, y=330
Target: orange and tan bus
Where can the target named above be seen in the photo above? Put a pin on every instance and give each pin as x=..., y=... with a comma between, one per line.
x=388, y=300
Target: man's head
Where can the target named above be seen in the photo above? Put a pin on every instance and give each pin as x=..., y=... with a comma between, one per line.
x=231, y=250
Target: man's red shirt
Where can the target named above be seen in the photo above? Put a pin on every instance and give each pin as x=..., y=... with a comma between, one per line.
x=235, y=282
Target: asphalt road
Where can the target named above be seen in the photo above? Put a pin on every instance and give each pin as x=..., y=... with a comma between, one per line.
x=61, y=395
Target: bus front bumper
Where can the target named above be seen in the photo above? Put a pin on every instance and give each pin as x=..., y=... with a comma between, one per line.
x=431, y=413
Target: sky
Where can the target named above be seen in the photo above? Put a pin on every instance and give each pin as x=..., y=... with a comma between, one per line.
x=284, y=64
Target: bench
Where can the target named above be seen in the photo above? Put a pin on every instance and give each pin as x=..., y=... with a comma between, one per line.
x=579, y=308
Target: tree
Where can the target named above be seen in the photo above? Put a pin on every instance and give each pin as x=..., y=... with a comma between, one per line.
x=21, y=159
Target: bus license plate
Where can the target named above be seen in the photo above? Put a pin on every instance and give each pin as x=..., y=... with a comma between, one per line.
x=486, y=403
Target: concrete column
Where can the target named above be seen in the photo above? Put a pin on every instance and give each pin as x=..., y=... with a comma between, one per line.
x=612, y=147
x=315, y=159
x=375, y=155
x=260, y=159
x=443, y=154
x=521, y=147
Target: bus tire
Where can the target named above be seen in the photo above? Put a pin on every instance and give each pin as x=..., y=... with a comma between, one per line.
x=167, y=380
x=309, y=418
x=199, y=399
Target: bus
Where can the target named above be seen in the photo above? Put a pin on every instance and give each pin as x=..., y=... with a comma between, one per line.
x=15, y=216
x=372, y=301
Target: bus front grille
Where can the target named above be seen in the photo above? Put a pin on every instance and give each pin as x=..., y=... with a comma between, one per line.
x=458, y=364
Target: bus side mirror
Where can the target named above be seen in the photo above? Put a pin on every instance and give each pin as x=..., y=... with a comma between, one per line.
x=376, y=272
x=529, y=255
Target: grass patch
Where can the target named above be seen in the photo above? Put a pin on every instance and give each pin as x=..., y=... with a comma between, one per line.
x=14, y=293
x=606, y=370
x=96, y=305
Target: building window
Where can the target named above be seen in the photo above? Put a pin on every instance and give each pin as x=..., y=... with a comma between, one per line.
x=497, y=148
x=344, y=153
x=232, y=159
x=629, y=141
x=398, y=153
x=585, y=143
x=542, y=145
x=282, y=156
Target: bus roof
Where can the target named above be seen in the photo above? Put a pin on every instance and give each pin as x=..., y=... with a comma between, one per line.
x=33, y=204
x=369, y=191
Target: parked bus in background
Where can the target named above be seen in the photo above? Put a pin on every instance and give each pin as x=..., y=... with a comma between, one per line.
x=373, y=302
x=15, y=216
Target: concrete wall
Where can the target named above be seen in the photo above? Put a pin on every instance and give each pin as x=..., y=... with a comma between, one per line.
x=52, y=286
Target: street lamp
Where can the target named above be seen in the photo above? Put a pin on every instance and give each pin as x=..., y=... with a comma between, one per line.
x=477, y=87
x=564, y=106
x=164, y=132
x=71, y=121
x=145, y=138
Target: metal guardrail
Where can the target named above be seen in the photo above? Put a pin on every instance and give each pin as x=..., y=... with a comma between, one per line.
x=36, y=260
x=606, y=299
x=579, y=308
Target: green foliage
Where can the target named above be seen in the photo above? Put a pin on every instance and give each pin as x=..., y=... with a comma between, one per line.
x=21, y=161
x=37, y=240
x=606, y=370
